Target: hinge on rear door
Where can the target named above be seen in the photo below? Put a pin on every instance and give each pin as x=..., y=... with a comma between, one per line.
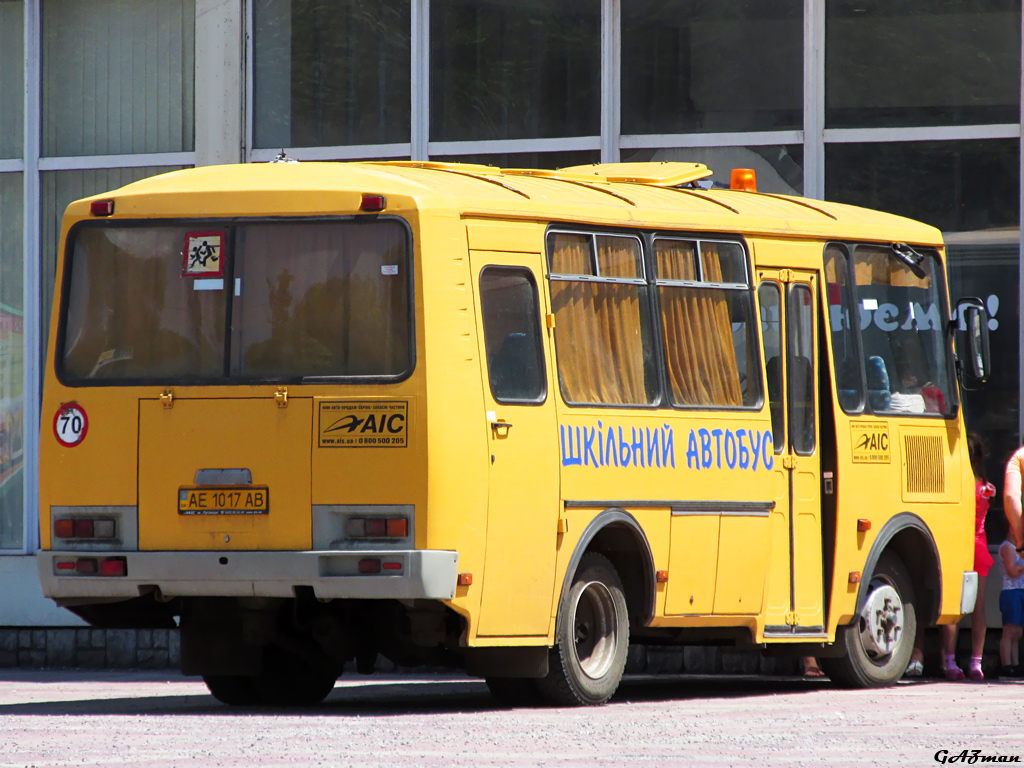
x=789, y=462
x=791, y=618
x=281, y=397
x=786, y=275
x=167, y=398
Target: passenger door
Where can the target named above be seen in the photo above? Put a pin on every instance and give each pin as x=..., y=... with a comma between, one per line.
x=789, y=322
x=519, y=416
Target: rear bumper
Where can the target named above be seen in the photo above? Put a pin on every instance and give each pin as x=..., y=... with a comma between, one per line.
x=427, y=574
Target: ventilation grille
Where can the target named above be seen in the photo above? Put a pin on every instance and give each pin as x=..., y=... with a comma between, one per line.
x=926, y=471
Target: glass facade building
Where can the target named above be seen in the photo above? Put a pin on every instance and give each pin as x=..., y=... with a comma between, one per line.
x=911, y=107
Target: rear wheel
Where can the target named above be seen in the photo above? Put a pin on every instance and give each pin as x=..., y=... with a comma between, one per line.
x=288, y=680
x=592, y=639
x=880, y=641
x=234, y=690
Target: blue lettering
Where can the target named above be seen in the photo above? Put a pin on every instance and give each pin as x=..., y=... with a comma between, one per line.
x=588, y=447
x=718, y=446
x=744, y=451
x=600, y=446
x=611, y=449
x=652, y=447
x=567, y=460
x=692, y=455
x=768, y=458
x=625, y=454
x=638, y=449
x=668, y=448
x=705, y=448
x=730, y=449
x=755, y=443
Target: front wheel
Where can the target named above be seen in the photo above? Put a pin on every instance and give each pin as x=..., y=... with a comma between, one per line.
x=880, y=641
x=592, y=639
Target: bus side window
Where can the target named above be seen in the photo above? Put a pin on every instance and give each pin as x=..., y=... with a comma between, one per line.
x=769, y=298
x=515, y=360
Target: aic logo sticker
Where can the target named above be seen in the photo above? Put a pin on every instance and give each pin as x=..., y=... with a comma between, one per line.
x=870, y=442
x=364, y=424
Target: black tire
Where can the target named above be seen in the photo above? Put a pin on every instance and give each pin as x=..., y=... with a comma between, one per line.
x=514, y=691
x=592, y=638
x=880, y=641
x=288, y=680
x=234, y=690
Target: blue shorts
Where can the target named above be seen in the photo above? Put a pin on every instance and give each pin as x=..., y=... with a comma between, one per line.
x=1011, y=604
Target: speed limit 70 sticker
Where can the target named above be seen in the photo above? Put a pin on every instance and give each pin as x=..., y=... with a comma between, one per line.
x=70, y=425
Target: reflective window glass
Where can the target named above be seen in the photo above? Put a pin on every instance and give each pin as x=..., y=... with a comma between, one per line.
x=117, y=76
x=709, y=346
x=511, y=319
x=514, y=69
x=779, y=169
x=952, y=185
x=602, y=329
x=711, y=66
x=800, y=368
x=922, y=62
x=769, y=298
x=12, y=363
x=12, y=69
x=330, y=72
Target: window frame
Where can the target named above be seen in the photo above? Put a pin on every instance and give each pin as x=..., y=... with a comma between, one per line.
x=753, y=322
x=539, y=337
x=230, y=225
x=849, y=249
x=592, y=233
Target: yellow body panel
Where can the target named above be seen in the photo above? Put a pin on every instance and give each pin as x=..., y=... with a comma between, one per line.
x=514, y=503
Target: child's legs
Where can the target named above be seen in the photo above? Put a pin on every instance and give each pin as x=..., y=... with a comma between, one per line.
x=949, y=633
x=1008, y=644
x=978, y=619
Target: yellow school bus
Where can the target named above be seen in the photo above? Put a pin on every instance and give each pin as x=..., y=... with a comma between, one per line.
x=500, y=419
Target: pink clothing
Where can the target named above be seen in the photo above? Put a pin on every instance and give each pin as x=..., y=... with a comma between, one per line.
x=982, y=559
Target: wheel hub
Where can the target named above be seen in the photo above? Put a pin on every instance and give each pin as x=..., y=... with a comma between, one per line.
x=594, y=630
x=882, y=621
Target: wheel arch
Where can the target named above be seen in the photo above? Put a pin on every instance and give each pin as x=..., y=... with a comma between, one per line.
x=910, y=538
x=617, y=535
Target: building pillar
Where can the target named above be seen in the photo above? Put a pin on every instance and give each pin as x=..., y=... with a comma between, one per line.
x=219, y=81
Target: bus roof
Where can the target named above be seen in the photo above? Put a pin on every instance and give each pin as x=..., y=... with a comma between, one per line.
x=585, y=195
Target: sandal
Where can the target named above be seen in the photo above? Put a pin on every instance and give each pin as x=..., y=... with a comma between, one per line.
x=954, y=674
x=914, y=669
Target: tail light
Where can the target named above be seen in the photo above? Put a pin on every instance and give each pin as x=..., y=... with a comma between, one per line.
x=377, y=528
x=84, y=528
x=92, y=566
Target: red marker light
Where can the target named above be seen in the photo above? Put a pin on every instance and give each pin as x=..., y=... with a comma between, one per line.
x=369, y=565
x=392, y=566
x=113, y=566
x=64, y=528
x=83, y=529
x=86, y=565
x=101, y=207
x=398, y=527
x=373, y=203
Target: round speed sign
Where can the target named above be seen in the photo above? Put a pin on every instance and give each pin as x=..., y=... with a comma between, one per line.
x=70, y=425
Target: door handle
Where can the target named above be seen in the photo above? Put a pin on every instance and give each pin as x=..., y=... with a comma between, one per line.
x=496, y=425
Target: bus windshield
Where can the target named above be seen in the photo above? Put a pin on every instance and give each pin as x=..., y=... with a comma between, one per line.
x=304, y=299
x=904, y=358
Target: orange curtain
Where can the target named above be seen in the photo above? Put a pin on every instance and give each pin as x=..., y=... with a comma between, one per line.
x=699, y=349
x=598, y=337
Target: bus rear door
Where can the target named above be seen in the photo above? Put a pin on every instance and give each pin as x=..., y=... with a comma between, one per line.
x=522, y=507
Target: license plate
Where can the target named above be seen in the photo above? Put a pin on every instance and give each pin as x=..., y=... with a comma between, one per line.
x=224, y=500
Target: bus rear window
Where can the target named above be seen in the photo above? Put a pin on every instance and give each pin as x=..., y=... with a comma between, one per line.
x=305, y=299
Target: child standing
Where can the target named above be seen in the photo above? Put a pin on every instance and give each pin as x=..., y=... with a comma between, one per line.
x=983, y=491
x=1011, y=605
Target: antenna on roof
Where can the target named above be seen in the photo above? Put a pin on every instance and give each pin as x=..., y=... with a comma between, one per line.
x=282, y=158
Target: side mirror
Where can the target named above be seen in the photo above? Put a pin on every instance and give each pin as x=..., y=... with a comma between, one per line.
x=978, y=360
